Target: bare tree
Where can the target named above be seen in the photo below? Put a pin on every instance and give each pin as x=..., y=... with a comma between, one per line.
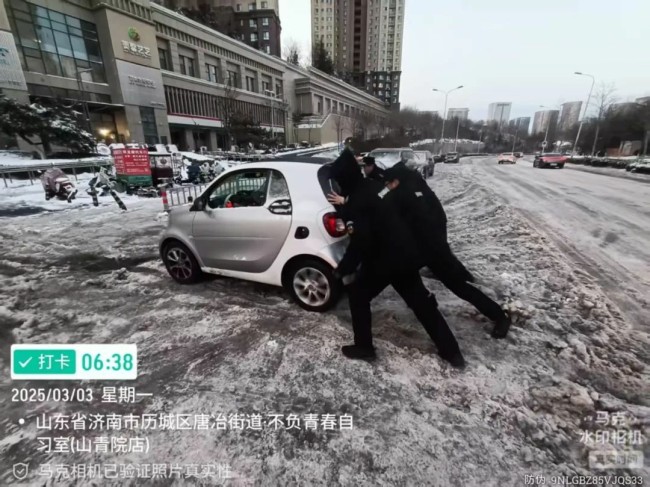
x=338, y=123
x=356, y=124
x=603, y=101
x=227, y=105
x=292, y=52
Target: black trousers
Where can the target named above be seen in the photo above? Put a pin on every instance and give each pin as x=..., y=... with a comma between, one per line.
x=410, y=287
x=454, y=276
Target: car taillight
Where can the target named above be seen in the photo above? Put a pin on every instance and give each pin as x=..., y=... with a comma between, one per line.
x=335, y=226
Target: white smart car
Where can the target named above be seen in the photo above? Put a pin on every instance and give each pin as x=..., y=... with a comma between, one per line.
x=267, y=222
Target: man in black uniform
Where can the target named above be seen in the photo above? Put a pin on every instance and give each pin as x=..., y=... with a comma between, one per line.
x=382, y=252
x=426, y=218
x=371, y=170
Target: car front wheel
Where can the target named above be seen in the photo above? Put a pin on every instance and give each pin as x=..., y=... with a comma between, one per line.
x=181, y=264
x=312, y=286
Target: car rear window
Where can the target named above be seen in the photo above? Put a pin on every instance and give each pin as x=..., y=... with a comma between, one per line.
x=421, y=156
x=327, y=185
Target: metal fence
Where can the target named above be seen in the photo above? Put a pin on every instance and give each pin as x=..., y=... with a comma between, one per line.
x=180, y=195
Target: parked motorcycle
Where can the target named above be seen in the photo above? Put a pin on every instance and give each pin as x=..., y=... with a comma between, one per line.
x=56, y=184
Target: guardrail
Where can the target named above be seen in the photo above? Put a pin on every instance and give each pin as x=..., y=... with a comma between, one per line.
x=179, y=195
x=30, y=170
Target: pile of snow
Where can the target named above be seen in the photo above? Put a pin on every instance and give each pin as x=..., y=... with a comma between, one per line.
x=23, y=197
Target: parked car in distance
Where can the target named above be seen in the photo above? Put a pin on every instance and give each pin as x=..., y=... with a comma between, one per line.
x=507, y=158
x=425, y=164
x=386, y=158
x=549, y=159
x=641, y=166
x=518, y=155
x=452, y=157
x=439, y=158
x=267, y=222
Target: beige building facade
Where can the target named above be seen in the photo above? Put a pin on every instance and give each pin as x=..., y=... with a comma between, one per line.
x=150, y=75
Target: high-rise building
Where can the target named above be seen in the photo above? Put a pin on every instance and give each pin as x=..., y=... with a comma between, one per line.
x=520, y=125
x=364, y=39
x=570, y=114
x=545, y=119
x=460, y=113
x=255, y=22
x=499, y=112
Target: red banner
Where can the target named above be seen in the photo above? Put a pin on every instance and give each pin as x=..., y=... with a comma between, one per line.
x=131, y=162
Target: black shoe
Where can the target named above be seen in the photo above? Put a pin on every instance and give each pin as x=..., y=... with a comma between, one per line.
x=359, y=353
x=456, y=360
x=502, y=326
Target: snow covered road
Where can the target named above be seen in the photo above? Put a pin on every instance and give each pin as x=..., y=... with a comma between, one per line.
x=526, y=405
x=601, y=222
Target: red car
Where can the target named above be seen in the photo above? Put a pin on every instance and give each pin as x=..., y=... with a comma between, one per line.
x=550, y=160
x=507, y=158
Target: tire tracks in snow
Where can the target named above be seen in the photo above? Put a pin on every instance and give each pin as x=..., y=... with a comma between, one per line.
x=613, y=277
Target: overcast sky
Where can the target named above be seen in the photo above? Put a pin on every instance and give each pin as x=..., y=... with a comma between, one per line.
x=522, y=51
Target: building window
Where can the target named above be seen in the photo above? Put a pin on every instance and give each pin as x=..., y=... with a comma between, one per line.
x=163, y=58
x=265, y=21
x=266, y=36
x=266, y=86
x=267, y=49
x=211, y=70
x=148, y=117
x=53, y=43
x=252, y=23
x=253, y=37
x=187, y=65
x=232, y=79
x=238, y=7
x=250, y=83
x=265, y=5
x=251, y=6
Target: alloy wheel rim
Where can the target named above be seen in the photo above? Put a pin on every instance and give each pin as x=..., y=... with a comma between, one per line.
x=179, y=263
x=311, y=286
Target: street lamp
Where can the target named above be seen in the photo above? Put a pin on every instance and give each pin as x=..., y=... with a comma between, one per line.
x=84, y=103
x=548, y=124
x=444, y=114
x=593, y=81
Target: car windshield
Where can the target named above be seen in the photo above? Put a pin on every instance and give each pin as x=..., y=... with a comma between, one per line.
x=388, y=158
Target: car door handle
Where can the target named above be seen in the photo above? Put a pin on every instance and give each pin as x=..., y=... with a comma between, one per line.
x=281, y=207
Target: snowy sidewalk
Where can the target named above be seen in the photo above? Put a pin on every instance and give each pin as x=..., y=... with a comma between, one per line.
x=226, y=347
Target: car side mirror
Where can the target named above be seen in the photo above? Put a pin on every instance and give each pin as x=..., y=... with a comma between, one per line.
x=199, y=205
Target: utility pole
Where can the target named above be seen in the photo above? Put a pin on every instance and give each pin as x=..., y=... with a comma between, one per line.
x=457, y=129
x=272, y=95
x=516, y=133
x=584, y=115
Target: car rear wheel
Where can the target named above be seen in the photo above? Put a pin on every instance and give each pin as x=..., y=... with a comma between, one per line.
x=181, y=264
x=312, y=286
